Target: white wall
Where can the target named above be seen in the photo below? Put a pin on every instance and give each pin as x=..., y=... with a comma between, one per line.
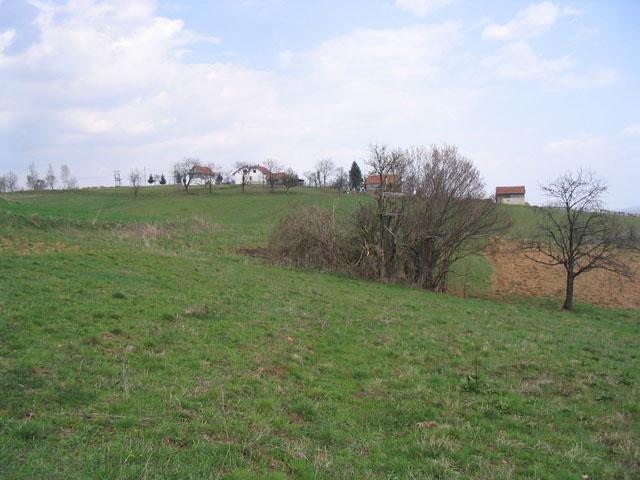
x=517, y=200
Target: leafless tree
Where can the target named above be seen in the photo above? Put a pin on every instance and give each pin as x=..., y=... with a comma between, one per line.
x=448, y=215
x=50, y=178
x=183, y=171
x=310, y=175
x=135, y=179
x=244, y=171
x=324, y=170
x=11, y=180
x=33, y=181
x=290, y=179
x=274, y=168
x=3, y=184
x=576, y=233
x=384, y=163
x=341, y=179
x=66, y=179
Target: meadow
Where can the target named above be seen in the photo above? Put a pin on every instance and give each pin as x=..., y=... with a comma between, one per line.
x=137, y=340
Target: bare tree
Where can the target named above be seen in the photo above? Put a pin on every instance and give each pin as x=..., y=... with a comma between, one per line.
x=324, y=170
x=274, y=168
x=290, y=179
x=32, y=177
x=3, y=184
x=341, y=179
x=576, y=233
x=11, y=180
x=448, y=217
x=50, y=178
x=244, y=171
x=183, y=172
x=310, y=175
x=384, y=163
x=66, y=179
x=135, y=179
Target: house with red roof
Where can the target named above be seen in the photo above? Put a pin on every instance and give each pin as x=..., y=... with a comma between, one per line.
x=511, y=195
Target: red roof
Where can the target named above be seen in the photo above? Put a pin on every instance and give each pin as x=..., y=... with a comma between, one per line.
x=374, y=179
x=202, y=170
x=510, y=190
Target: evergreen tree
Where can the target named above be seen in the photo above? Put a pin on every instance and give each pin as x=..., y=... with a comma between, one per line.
x=151, y=179
x=163, y=181
x=355, y=176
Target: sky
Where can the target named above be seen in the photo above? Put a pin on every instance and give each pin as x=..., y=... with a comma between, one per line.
x=526, y=90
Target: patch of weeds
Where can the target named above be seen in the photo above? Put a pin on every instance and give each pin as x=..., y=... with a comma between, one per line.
x=605, y=397
x=304, y=408
x=170, y=317
x=626, y=378
x=197, y=311
x=472, y=382
x=119, y=296
x=91, y=341
x=31, y=431
x=117, y=331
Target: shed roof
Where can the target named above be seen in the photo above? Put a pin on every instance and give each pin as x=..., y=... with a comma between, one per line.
x=519, y=189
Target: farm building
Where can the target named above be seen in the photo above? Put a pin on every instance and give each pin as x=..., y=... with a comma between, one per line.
x=253, y=175
x=388, y=181
x=511, y=195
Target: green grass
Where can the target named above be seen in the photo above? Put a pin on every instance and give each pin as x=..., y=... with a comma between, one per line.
x=136, y=342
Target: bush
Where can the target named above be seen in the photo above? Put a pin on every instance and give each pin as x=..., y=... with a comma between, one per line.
x=307, y=237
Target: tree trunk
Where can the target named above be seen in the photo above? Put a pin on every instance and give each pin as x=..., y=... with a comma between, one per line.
x=568, y=299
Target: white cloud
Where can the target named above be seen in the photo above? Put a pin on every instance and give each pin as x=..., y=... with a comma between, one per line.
x=518, y=61
x=421, y=7
x=528, y=23
x=632, y=130
x=580, y=144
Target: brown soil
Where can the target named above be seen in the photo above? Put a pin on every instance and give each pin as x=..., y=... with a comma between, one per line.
x=515, y=274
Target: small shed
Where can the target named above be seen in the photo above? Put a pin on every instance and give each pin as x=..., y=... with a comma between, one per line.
x=511, y=195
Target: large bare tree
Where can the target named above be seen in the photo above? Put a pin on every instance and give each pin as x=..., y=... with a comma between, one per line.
x=290, y=179
x=449, y=216
x=386, y=163
x=324, y=170
x=575, y=232
x=183, y=171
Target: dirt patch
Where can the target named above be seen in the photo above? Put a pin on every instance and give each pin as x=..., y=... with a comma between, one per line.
x=515, y=274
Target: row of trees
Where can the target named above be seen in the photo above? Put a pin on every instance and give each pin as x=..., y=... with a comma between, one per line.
x=9, y=181
x=433, y=215
x=326, y=174
x=436, y=212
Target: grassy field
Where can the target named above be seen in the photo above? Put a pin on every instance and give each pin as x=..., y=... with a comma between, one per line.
x=137, y=342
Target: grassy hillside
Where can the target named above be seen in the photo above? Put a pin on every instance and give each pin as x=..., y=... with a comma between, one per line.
x=135, y=341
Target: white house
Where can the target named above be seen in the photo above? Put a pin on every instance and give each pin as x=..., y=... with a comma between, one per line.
x=253, y=175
